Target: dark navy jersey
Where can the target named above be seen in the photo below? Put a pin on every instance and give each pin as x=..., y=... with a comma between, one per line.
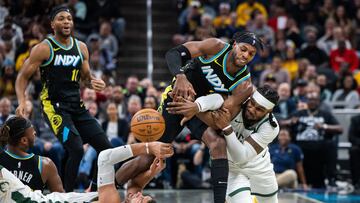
x=27, y=169
x=60, y=74
x=210, y=76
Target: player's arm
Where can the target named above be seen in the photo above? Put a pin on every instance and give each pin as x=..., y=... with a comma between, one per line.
x=177, y=57
x=38, y=55
x=86, y=77
x=140, y=181
x=51, y=176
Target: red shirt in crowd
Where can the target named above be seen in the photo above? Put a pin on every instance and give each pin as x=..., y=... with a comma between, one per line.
x=347, y=56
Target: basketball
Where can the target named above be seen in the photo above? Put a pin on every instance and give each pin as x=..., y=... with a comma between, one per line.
x=147, y=125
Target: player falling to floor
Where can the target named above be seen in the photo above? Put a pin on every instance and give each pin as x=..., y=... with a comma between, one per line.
x=17, y=136
x=250, y=167
x=215, y=67
x=63, y=61
x=13, y=190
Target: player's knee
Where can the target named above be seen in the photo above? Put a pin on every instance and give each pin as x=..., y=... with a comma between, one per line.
x=217, y=148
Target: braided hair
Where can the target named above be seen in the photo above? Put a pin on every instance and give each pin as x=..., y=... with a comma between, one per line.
x=249, y=38
x=13, y=130
x=271, y=95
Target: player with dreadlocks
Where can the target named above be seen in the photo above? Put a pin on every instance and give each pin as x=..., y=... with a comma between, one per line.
x=248, y=130
x=214, y=67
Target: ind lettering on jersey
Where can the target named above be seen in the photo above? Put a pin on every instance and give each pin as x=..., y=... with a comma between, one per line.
x=66, y=60
x=24, y=176
x=213, y=79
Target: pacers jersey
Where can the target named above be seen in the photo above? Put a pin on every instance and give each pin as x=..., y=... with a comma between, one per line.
x=60, y=74
x=27, y=169
x=210, y=76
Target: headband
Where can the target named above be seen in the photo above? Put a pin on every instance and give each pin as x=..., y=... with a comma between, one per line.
x=262, y=101
x=57, y=10
x=250, y=39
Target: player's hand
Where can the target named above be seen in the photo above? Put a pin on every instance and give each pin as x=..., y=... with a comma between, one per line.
x=182, y=88
x=97, y=84
x=21, y=110
x=221, y=117
x=161, y=150
x=184, y=107
x=157, y=166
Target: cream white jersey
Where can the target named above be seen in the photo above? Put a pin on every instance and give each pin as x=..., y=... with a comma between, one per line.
x=12, y=190
x=263, y=133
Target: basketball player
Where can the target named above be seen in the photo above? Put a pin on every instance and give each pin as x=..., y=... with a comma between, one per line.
x=250, y=167
x=13, y=190
x=63, y=60
x=217, y=67
x=33, y=170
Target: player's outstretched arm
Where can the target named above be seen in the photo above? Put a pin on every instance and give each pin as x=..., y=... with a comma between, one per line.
x=51, y=176
x=38, y=55
x=86, y=77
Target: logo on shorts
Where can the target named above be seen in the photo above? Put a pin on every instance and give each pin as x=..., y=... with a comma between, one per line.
x=4, y=186
x=56, y=120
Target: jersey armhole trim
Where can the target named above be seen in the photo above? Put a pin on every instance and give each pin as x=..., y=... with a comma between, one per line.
x=232, y=87
x=227, y=74
x=47, y=62
x=79, y=50
x=40, y=164
x=203, y=60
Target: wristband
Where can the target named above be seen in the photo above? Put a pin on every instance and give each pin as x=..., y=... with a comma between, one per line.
x=147, y=148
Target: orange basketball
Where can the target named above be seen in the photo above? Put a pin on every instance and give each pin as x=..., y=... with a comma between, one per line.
x=147, y=125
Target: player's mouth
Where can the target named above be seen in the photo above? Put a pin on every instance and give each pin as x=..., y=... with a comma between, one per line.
x=66, y=29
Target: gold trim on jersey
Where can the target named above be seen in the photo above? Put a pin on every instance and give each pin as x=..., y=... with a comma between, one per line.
x=54, y=119
x=164, y=96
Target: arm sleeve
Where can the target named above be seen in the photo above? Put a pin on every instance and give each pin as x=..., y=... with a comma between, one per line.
x=239, y=152
x=209, y=102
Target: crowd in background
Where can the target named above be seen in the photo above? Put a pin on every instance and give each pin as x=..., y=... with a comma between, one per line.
x=310, y=57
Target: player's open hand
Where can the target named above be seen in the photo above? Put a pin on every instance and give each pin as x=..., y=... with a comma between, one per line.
x=161, y=150
x=221, y=117
x=183, y=88
x=157, y=166
x=97, y=84
x=184, y=107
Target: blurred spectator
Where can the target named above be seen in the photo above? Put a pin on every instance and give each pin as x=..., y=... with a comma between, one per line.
x=151, y=102
x=343, y=60
x=9, y=31
x=286, y=105
x=89, y=95
x=325, y=93
x=134, y=105
x=310, y=50
x=36, y=31
x=277, y=71
x=146, y=83
x=287, y=159
x=260, y=28
x=292, y=32
x=223, y=19
x=342, y=19
x=100, y=58
x=347, y=93
x=271, y=81
x=133, y=88
x=290, y=63
x=79, y=8
x=246, y=9
x=310, y=73
x=356, y=34
x=118, y=99
x=326, y=10
x=107, y=40
x=207, y=29
x=116, y=129
x=7, y=80
x=192, y=18
x=5, y=110
x=299, y=93
x=315, y=131
x=22, y=57
x=302, y=67
x=278, y=17
x=4, y=11
x=354, y=138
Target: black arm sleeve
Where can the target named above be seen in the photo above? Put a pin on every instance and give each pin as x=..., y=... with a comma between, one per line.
x=176, y=58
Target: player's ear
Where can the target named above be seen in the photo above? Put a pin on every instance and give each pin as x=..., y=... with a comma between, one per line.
x=52, y=24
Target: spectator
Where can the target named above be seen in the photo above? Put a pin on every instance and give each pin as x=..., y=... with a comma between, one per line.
x=260, y=28
x=286, y=105
x=343, y=60
x=107, y=40
x=290, y=63
x=310, y=50
x=287, y=159
x=36, y=31
x=116, y=129
x=342, y=19
x=134, y=105
x=7, y=80
x=100, y=58
x=223, y=19
x=299, y=92
x=354, y=138
x=277, y=71
x=246, y=9
x=133, y=88
x=22, y=57
x=325, y=93
x=315, y=131
x=89, y=95
x=5, y=110
x=118, y=99
x=151, y=102
x=292, y=32
x=192, y=19
x=347, y=93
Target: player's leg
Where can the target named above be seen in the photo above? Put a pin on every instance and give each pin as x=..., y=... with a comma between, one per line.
x=238, y=188
x=142, y=163
x=219, y=162
x=264, y=186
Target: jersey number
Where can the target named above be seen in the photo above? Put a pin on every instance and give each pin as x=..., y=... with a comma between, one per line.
x=74, y=75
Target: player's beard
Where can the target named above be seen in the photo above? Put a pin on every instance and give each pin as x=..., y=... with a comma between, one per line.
x=62, y=33
x=234, y=60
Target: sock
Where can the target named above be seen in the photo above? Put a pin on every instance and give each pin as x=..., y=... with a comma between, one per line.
x=219, y=177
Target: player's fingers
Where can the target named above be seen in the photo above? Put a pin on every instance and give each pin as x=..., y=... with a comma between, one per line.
x=184, y=120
